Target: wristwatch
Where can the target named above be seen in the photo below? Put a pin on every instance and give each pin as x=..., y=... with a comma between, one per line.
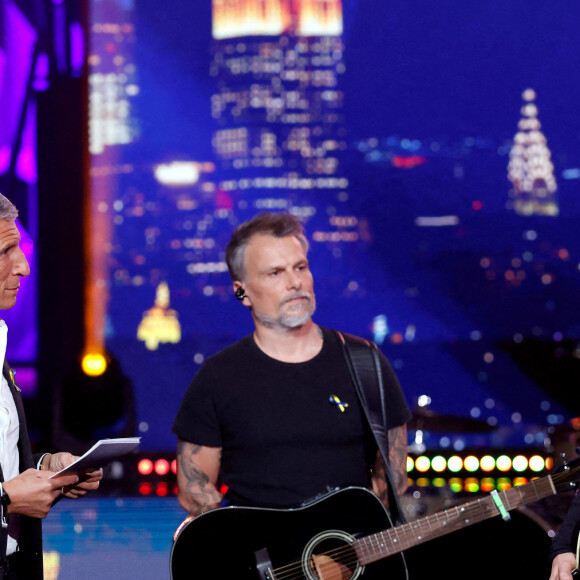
x=4, y=503
x=4, y=500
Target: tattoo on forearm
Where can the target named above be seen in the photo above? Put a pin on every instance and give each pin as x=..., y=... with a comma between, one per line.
x=398, y=457
x=380, y=480
x=398, y=465
x=196, y=483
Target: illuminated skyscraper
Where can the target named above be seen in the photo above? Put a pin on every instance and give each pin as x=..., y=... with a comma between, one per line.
x=530, y=169
x=112, y=84
x=278, y=104
x=112, y=88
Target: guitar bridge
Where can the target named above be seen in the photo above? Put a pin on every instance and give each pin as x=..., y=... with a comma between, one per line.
x=264, y=565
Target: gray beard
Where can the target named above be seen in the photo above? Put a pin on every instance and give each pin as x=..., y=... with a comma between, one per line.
x=288, y=321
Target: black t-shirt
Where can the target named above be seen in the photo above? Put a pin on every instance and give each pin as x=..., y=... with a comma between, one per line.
x=285, y=432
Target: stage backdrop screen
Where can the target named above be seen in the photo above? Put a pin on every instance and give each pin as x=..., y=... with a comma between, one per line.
x=432, y=150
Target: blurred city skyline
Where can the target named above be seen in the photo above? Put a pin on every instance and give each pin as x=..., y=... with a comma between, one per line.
x=414, y=242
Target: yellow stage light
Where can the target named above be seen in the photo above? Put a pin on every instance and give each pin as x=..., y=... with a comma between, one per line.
x=520, y=463
x=504, y=463
x=93, y=364
x=487, y=463
x=471, y=463
x=537, y=463
x=455, y=463
x=422, y=463
x=438, y=463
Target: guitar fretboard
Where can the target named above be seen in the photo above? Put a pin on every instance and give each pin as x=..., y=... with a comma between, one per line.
x=388, y=542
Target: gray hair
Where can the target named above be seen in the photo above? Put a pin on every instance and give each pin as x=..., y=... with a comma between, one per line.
x=278, y=225
x=8, y=210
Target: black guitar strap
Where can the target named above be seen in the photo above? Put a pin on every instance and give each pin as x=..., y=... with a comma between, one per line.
x=363, y=363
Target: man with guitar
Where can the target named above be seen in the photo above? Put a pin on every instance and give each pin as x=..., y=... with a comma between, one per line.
x=273, y=422
x=275, y=418
x=564, y=550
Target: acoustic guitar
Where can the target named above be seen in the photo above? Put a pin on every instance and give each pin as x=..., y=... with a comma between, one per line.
x=344, y=535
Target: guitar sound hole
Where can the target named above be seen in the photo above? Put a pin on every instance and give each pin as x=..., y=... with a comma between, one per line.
x=330, y=556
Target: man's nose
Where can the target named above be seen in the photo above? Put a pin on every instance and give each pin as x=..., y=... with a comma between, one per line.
x=21, y=267
x=294, y=281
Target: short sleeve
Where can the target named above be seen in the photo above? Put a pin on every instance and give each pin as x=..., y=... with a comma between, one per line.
x=396, y=408
x=197, y=420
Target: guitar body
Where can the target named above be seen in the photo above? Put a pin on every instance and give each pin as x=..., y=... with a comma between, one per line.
x=236, y=543
x=328, y=539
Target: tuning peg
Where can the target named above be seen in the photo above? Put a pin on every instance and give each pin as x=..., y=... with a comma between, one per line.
x=564, y=459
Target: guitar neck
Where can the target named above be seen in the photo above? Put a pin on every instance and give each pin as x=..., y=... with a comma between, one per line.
x=394, y=540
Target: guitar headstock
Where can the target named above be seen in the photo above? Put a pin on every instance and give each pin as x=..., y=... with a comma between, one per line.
x=566, y=477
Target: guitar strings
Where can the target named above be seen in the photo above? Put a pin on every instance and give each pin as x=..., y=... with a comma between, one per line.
x=343, y=555
x=346, y=555
x=337, y=556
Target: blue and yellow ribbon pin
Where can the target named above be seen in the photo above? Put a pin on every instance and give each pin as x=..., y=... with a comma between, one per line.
x=336, y=401
x=13, y=378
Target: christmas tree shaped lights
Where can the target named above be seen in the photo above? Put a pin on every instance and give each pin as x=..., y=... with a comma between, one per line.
x=530, y=168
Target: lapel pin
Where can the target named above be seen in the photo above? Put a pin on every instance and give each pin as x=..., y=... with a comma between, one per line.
x=336, y=401
x=13, y=378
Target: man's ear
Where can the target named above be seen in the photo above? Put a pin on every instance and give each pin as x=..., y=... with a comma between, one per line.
x=239, y=291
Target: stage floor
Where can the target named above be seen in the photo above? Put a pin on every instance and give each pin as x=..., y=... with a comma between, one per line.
x=113, y=538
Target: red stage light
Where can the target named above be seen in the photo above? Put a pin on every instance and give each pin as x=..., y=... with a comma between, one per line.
x=145, y=488
x=162, y=489
x=162, y=467
x=145, y=466
x=408, y=162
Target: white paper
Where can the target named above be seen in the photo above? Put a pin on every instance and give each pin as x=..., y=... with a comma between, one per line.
x=101, y=453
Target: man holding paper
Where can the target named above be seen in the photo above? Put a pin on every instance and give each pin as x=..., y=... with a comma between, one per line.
x=27, y=490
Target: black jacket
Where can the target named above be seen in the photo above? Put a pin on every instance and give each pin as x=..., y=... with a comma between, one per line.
x=30, y=529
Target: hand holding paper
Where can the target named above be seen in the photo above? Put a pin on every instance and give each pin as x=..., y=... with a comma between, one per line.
x=100, y=454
